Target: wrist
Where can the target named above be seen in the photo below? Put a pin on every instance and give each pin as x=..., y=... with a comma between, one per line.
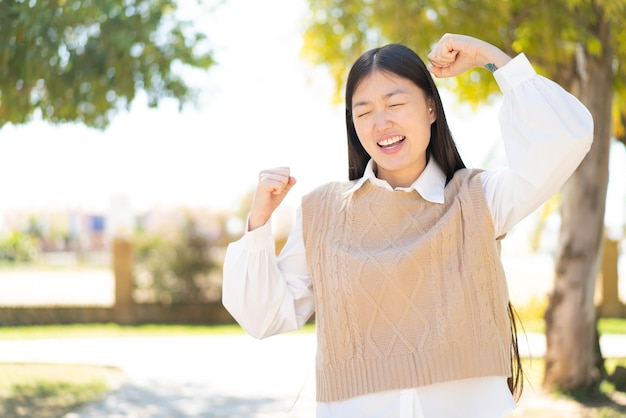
x=491, y=67
x=256, y=222
x=491, y=58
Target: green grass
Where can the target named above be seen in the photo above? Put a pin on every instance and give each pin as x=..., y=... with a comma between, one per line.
x=116, y=330
x=51, y=390
x=112, y=330
x=530, y=324
x=612, y=326
x=605, y=325
x=531, y=319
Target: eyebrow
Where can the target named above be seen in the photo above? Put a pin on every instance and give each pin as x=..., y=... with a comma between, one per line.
x=386, y=96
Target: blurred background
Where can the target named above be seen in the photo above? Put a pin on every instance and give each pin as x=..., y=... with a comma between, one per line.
x=132, y=134
x=152, y=163
x=69, y=188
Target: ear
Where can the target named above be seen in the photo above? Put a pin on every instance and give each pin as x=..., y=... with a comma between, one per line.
x=432, y=110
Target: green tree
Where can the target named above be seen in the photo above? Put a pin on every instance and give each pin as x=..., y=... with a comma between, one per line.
x=581, y=45
x=81, y=60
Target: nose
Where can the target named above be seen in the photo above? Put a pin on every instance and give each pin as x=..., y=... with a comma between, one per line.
x=381, y=122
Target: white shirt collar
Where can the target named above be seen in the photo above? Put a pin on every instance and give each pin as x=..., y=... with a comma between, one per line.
x=430, y=184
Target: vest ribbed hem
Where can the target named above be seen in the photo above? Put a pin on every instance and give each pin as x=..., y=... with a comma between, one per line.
x=360, y=376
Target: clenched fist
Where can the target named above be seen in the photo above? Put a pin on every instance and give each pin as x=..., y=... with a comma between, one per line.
x=274, y=184
x=455, y=54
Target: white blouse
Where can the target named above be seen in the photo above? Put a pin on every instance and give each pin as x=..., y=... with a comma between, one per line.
x=546, y=132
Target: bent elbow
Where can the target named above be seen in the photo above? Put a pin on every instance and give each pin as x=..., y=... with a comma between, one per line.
x=249, y=320
x=256, y=330
x=258, y=334
x=248, y=326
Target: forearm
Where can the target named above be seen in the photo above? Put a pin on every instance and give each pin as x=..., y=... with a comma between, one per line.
x=487, y=54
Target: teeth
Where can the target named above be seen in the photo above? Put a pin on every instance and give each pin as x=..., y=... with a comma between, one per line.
x=390, y=141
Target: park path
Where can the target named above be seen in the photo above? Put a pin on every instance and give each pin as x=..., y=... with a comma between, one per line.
x=63, y=286
x=189, y=376
x=231, y=376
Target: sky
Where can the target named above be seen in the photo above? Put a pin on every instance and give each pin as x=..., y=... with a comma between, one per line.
x=261, y=106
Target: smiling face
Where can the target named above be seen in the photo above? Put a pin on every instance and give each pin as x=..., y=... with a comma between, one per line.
x=392, y=119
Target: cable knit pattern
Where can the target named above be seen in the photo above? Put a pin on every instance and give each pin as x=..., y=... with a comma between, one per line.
x=407, y=292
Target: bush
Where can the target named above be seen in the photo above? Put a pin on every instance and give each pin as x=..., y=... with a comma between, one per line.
x=19, y=247
x=174, y=270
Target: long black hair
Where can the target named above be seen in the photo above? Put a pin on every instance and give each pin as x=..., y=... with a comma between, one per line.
x=403, y=62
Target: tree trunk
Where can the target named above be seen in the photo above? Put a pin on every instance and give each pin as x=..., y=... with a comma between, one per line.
x=573, y=359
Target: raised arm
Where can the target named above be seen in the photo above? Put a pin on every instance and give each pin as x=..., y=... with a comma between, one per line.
x=267, y=295
x=546, y=130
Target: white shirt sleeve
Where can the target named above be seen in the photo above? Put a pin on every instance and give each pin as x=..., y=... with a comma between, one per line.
x=268, y=295
x=546, y=133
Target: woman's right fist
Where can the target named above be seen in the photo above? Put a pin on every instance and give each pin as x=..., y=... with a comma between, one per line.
x=273, y=186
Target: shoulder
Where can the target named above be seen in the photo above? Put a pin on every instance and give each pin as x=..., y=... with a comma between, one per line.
x=328, y=197
x=321, y=206
x=465, y=176
x=464, y=181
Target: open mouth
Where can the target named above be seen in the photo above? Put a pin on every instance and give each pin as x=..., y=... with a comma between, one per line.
x=390, y=142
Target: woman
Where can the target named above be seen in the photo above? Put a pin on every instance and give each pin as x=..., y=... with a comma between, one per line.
x=401, y=264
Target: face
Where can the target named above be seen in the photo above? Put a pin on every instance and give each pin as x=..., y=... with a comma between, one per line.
x=392, y=120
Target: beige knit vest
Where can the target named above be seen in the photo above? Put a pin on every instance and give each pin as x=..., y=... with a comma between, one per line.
x=407, y=292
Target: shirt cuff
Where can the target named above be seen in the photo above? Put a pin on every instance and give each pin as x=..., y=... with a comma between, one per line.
x=514, y=73
x=260, y=239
